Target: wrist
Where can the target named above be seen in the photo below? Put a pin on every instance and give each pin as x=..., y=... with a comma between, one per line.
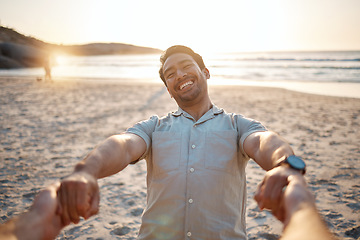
x=83, y=168
x=293, y=162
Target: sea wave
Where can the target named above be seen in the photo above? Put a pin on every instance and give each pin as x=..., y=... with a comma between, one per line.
x=284, y=66
x=301, y=59
x=287, y=67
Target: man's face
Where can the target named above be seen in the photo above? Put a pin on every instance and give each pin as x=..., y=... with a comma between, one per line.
x=186, y=82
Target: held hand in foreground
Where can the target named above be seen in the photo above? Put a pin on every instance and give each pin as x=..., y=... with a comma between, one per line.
x=301, y=218
x=296, y=197
x=270, y=190
x=79, y=197
x=44, y=212
x=40, y=222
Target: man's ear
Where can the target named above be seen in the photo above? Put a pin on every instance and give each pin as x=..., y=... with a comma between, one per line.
x=206, y=72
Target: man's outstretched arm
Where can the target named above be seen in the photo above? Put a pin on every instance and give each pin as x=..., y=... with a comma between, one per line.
x=79, y=192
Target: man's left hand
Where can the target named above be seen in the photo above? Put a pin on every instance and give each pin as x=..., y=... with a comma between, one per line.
x=269, y=192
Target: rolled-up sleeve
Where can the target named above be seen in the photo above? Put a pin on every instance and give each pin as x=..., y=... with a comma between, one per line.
x=245, y=127
x=144, y=129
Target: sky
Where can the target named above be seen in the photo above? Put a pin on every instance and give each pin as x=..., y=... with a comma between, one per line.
x=216, y=26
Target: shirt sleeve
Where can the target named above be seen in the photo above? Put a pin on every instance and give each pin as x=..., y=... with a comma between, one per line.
x=245, y=127
x=144, y=129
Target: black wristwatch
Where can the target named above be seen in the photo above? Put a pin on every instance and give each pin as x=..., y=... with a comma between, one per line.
x=294, y=162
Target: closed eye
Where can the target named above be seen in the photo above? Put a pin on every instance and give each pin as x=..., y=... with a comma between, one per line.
x=170, y=75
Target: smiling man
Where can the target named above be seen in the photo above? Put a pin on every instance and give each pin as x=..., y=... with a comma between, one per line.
x=196, y=159
x=187, y=83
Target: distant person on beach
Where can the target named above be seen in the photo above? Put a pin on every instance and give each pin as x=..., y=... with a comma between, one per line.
x=196, y=159
x=47, y=68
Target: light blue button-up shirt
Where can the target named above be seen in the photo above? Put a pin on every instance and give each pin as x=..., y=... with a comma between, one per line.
x=196, y=184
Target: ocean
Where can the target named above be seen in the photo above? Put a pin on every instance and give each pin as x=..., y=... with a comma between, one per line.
x=260, y=68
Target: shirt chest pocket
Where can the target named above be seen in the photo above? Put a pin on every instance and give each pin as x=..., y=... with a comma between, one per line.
x=221, y=153
x=166, y=151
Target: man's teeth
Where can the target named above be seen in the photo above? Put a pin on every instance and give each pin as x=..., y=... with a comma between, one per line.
x=185, y=84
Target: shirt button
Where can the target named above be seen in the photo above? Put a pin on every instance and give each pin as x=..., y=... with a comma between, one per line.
x=190, y=200
x=188, y=234
x=192, y=169
x=193, y=146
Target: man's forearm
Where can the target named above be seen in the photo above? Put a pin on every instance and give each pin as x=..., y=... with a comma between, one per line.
x=266, y=148
x=108, y=158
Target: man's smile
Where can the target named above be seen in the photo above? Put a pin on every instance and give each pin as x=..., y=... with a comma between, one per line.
x=187, y=83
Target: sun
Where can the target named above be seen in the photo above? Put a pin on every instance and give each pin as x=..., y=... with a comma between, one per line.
x=60, y=59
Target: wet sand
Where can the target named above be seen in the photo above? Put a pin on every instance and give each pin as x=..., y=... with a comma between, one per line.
x=46, y=128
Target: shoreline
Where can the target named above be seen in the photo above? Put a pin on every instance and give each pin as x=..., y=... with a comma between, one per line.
x=332, y=89
x=46, y=128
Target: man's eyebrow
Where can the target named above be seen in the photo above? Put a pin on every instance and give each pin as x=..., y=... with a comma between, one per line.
x=181, y=62
x=185, y=60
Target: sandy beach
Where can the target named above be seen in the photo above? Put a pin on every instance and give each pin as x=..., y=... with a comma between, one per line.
x=46, y=128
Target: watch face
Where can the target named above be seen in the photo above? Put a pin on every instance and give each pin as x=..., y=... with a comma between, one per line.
x=296, y=162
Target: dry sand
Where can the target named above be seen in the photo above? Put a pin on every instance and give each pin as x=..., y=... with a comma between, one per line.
x=45, y=128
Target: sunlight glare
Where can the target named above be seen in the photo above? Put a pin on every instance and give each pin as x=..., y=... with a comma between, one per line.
x=60, y=59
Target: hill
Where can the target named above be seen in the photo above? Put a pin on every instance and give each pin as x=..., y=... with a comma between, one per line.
x=18, y=50
x=11, y=36
x=105, y=49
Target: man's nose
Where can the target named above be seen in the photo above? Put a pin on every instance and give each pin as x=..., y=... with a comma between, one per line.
x=180, y=74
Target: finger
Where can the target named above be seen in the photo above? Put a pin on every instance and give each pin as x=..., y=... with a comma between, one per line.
x=273, y=189
x=259, y=198
x=69, y=192
x=62, y=194
x=276, y=193
x=267, y=196
x=83, y=201
x=73, y=192
x=280, y=211
x=94, y=205
x=89, y=202
x=259, y=194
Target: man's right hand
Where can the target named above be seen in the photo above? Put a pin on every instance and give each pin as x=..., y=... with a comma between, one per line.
x=79, y=192
x=79, y=197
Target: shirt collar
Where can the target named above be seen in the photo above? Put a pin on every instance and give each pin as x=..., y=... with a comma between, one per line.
x=214, y=111
x=217, y=110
